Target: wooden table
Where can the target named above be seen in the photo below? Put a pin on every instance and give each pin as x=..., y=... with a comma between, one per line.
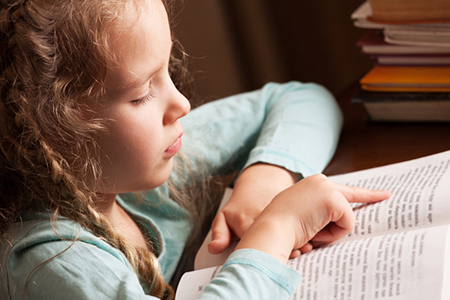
x=370, y=144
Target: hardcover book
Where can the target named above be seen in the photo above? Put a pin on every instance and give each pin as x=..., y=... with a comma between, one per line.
x=405, y=106
x=410, y=10
x=407, y=79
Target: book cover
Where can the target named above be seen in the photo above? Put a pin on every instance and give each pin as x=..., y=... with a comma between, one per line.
x=372, y=42
x=413, y=60
x=360, y=15
x=363, y=18
x=405, y=106
x=407, y=78
x=363, y=96
x=427, y=36
x=410, y=10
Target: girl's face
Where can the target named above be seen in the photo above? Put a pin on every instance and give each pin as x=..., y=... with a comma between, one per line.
x=142, y=105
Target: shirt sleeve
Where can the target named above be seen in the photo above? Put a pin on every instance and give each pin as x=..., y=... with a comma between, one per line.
x=293, y=125
x=251, y=274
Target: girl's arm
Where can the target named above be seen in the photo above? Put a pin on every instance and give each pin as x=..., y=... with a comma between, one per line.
x=253, y=191
x=281, y=131
x=294, y=125
x=315, y=210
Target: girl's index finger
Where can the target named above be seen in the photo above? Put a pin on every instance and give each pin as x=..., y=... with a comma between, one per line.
x=363, y=195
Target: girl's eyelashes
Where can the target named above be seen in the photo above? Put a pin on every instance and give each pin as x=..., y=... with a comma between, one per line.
x=146, y=98
x=143, y=100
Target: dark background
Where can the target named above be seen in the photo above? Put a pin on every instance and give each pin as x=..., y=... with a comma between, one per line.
x=238, y=45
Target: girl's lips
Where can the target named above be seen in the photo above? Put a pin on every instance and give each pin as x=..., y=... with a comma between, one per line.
x=172, y=150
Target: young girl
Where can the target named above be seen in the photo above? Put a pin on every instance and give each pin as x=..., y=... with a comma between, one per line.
x=88, y=111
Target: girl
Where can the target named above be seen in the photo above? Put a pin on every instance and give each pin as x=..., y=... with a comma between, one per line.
x=89, y=111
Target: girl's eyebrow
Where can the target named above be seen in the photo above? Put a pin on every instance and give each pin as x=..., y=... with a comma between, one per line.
x=136, y=83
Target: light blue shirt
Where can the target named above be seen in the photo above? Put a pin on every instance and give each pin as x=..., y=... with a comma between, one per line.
x=293, y=125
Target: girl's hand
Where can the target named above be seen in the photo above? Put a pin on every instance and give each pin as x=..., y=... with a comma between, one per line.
x=313, y=212
x=253, y=191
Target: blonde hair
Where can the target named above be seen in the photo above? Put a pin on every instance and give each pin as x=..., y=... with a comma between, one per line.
x=54, y=53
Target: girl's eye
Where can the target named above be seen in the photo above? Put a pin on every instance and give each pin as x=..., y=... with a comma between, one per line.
x=142, y=100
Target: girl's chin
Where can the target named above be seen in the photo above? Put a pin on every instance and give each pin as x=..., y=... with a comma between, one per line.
x=139, y=182
x=158, y=179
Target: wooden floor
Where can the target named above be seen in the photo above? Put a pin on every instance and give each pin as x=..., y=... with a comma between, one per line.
x=369, y=144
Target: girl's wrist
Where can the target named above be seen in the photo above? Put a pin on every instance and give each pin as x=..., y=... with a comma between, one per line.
x=276, y=175
x=270, y=235
x=264, y=180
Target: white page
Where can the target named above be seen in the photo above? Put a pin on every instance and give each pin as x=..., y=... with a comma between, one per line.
x=203, y=258
x=193, y=283
x=428, y=205
x=400, y=266
x=420, y=195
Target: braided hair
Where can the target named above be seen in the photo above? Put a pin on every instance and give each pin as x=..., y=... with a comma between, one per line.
x=55, y=54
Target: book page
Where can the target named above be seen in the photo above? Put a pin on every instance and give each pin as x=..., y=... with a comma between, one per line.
x=203, y=258
x=400, y=266
x=193, y=283
x=420, y=195
x=405, y=265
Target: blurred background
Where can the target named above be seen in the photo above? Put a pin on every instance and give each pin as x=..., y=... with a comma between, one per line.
x=238, y=45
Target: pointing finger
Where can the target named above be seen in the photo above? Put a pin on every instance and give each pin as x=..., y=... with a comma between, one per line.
x=363, y=195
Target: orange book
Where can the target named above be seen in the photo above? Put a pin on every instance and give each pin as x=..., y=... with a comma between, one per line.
x=407, y=79
x=403, y=11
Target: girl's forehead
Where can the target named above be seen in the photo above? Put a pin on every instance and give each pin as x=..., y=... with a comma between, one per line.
x=141, y=43
x=136, y=15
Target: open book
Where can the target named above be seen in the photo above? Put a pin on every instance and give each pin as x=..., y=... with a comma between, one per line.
x=399, y=249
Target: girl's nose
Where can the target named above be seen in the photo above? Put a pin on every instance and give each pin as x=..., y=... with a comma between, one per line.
x=177, y=106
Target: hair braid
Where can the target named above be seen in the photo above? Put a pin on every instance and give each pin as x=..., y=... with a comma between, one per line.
x=52, y=54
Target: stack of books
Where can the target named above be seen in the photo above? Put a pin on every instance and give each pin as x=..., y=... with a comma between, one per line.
x=409, y=41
